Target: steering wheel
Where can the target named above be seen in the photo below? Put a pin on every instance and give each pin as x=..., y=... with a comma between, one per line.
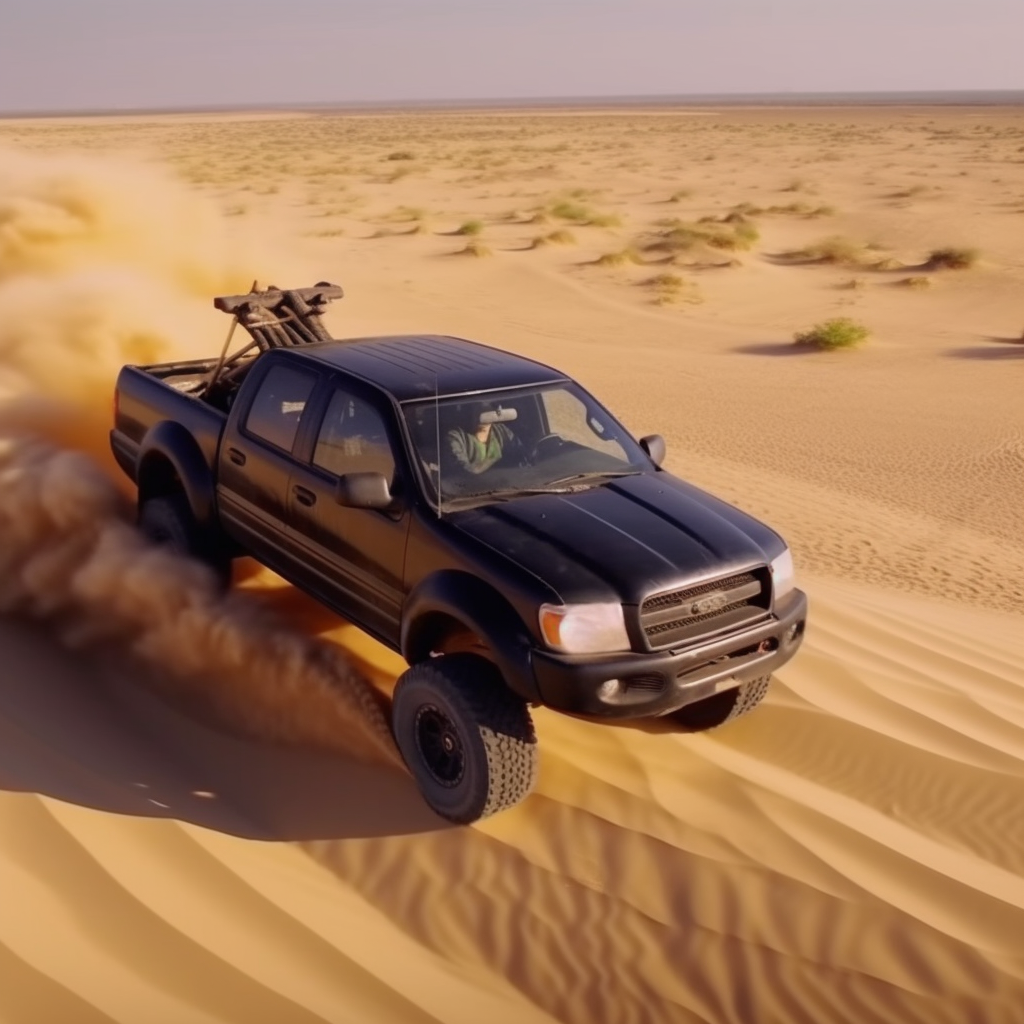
x=546, y=446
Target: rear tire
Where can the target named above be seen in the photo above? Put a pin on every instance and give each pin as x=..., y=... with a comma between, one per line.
x=169, y=523
x=722, y=707
x=466, y=738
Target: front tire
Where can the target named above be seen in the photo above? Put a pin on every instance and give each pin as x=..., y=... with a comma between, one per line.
x=466, y=738
x=711, y=712
x=168, y=522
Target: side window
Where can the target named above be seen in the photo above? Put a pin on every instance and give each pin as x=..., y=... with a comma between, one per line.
x=276, y=412
x=354, y=439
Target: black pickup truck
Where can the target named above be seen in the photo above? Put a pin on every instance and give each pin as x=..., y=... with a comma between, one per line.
x=478, y=512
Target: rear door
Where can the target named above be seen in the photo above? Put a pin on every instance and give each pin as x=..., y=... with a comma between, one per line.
x=356, y=555
x=255, y=461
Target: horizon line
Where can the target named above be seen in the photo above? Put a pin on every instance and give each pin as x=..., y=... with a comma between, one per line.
x=908, y=97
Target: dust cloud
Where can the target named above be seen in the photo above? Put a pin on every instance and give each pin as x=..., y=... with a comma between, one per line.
x=101, y=263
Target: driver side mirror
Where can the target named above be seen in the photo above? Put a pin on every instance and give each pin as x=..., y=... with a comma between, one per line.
x=363, y=490
x=654, y=445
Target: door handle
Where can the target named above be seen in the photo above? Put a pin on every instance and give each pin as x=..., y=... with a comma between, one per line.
x=304, y=496
x=237, y=457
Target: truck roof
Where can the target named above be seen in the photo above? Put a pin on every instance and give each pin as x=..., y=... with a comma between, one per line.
x=411, y=366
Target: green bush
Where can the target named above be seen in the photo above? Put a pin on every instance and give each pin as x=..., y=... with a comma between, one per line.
x=574, y=212
x=842, y=332
x=471, y=227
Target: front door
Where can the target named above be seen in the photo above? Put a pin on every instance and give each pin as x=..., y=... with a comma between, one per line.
x=356, y=555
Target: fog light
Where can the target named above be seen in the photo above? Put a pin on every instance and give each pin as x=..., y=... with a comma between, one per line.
x=794, y=631
x=608, y=689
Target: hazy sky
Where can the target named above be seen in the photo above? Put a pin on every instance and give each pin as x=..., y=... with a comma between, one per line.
x=89, y=54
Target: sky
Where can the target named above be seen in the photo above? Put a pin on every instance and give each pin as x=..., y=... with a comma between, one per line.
x=65, y=55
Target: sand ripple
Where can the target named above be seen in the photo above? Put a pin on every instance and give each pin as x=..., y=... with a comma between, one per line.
x=853, y=852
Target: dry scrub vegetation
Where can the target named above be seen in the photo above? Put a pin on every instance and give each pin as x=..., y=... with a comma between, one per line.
x=570, y=191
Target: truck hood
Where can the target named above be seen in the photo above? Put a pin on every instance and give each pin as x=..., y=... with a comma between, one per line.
x=624, y=540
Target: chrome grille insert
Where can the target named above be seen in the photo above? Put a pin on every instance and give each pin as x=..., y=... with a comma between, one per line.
x=708, y=608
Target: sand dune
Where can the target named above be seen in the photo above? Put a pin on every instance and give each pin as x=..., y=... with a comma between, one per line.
x=853, y=852
x=201, y=817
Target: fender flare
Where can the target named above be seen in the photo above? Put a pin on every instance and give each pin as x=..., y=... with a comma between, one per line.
x=172, y=442
x=481, y=609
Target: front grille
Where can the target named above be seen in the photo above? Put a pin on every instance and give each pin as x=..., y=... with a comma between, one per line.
x=722, y=605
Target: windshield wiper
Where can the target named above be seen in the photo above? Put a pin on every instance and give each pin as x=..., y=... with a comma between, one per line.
x=595, y=475
x=505, y=494
x=511, y=493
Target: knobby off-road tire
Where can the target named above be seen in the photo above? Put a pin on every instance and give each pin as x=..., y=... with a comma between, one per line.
x=466, y=738
x=721, y=707
x=168, y=522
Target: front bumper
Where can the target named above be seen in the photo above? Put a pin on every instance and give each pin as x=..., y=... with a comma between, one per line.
x=664, y=681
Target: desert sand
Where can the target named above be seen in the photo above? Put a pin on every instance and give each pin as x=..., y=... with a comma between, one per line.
x=202, y=818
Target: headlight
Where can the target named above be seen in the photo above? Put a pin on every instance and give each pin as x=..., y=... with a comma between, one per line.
x=584, y=628
x=783, y=576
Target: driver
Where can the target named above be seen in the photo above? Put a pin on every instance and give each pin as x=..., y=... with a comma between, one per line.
x=484, y=438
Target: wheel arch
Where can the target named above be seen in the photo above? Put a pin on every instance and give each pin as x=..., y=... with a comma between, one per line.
x=456, y=602
x=170, y=460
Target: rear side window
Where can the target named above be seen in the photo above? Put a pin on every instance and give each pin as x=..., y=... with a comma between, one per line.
x=276, y=412
x=354, y=439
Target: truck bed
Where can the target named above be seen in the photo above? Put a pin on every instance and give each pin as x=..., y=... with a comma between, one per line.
x=148, y=395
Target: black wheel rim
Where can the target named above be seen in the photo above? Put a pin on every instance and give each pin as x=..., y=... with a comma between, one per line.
x=161, y=537
x=440, y=745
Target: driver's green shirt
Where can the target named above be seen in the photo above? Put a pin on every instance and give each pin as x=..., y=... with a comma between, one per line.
x=474, y=455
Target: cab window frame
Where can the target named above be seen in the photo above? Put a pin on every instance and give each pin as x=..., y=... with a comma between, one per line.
x=309, y=409
x=370, y=396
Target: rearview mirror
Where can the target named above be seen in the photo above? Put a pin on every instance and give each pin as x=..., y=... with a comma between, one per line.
x=499, y=415
x=363, y=490
x=654, y=445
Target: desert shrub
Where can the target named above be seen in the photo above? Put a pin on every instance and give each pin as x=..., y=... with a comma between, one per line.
x=917, y=282
x=793, y=209
x=841, y=332
x=401, y=154
x=561, y=237
x=470, y=227
x=679, y=236
x=406, y=214
x=665, y=282
x=910, y=192
x=618, y=259
x=604, y=220
x=679, y=195
x=834, y=250
x=746, y=234
x=474, y=248
x=953, y=259
x=575, y=212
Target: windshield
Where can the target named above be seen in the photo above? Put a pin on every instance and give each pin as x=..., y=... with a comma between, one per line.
x=552, y=438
